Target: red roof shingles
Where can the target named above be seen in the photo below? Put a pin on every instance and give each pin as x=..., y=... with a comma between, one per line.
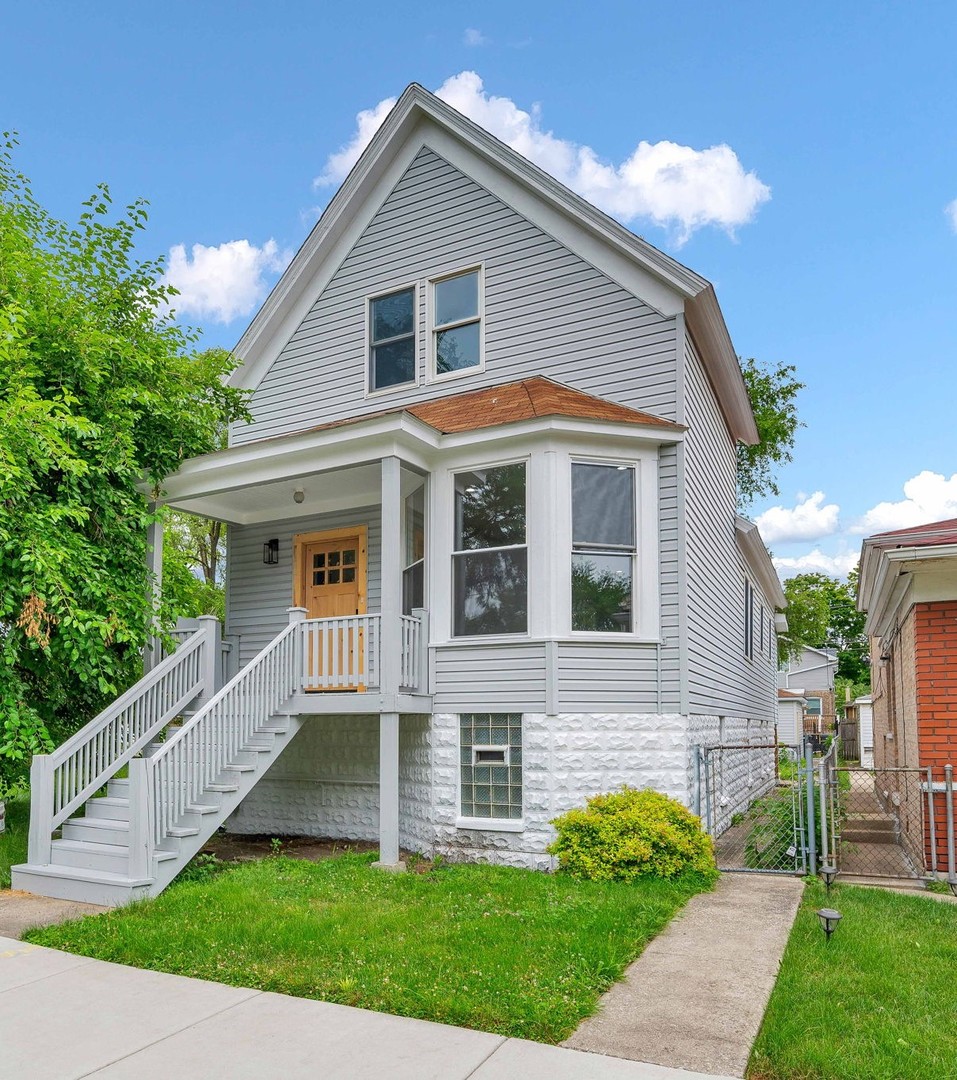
x=934, y=534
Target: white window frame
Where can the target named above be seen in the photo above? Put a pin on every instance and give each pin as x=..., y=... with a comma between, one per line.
x=518, y=635
x=370, y=390
x=748, y=619
x=645, y=617
x=432, y=375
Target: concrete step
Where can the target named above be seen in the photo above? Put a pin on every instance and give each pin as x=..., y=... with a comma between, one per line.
x=108, y=807
x=97, y=830
x=83, y=855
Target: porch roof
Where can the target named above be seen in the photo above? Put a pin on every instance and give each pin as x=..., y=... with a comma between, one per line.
x=256, y=481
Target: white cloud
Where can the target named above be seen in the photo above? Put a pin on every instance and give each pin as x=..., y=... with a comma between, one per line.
x=817, y=562
x=928, y=497
x=951, y=211
x=474, y=37
x=808, y=520
x=674, y=186
x=221, y=283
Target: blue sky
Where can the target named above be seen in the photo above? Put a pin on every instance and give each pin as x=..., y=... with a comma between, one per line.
x=825, y=224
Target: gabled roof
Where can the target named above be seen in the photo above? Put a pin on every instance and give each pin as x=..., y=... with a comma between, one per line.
x=420, y=118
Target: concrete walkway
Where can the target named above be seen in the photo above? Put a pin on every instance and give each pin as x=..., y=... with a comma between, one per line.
x=21, y=911
x=64, y=1017
x=696, y=996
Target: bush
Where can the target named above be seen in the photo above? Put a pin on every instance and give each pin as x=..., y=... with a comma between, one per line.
x=629, y=834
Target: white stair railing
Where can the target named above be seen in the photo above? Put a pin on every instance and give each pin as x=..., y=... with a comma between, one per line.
x=341, y=653
x=62, y=781
x=179, y=772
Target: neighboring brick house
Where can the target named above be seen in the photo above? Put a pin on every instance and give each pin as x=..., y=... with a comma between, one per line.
x=908, y=587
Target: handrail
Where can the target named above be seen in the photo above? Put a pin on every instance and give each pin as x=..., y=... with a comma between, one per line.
x=196, y=754
x=83, y=764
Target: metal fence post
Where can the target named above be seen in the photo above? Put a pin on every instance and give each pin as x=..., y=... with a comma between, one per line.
x=949, y=788
x=931, y=822
x=697, y=780
x=811, y=821
x=822, y=776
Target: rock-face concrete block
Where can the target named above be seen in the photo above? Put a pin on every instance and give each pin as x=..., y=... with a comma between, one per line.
x=326, y=783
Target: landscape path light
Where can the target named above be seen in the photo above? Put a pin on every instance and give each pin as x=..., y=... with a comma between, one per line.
x=829, y=920
x=829, y=873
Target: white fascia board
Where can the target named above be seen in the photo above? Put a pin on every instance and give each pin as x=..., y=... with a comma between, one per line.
x=756, y=555
x=649, y=434
x=881, y=592
x=419, y=118
x=289, y=456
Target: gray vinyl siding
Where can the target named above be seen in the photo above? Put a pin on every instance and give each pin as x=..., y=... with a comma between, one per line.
x=668, y=579
x=721, y=680
x=607, y=677
x=258, y=595
x=547, y=312
x=497, y=678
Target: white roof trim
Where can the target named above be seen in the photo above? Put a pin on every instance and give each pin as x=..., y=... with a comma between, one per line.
x=420, y=118
x=885, y=577
x=756, y=555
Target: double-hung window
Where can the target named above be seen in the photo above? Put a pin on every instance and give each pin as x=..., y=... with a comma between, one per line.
x=490, y=558
x=748, y=619
x=603, y=547
x=413, y=576
x=392, y=339
x=457, y=323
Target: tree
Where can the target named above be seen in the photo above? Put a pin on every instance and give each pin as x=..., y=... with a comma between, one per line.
x=822, y=613
x=194, y=550
x=773, y=391
x=99, y=392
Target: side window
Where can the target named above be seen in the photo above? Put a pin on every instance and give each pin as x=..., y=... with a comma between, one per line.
x=392, y=340
x=456, y=323
x=603, y=547
x=748, y=620
x=490, y=558
x=491, y=765
x=413, y=576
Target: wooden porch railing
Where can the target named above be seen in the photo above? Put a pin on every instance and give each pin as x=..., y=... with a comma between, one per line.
x=345, y=653
x=62, y=781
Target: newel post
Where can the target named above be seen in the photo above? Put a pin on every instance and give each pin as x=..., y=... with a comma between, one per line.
x=298, y=675
x=211, y=659
x=141, y=819
x=422, y=660
x=41, y=810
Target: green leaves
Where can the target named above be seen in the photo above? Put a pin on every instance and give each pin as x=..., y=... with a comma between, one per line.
x=99, y=391
x=773, y=391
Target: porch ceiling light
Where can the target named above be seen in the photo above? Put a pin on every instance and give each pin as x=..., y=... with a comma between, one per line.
x=298, y=495
x=271, y=552
x=829, y=920
x=829, y=873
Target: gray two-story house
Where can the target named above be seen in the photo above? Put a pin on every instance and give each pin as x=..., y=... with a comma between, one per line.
x=484, y=559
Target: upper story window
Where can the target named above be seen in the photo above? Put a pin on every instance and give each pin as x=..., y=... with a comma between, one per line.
x=490, y=557
x=392, y=339
x=603, y=547
x=748, y=619
x=457, y=323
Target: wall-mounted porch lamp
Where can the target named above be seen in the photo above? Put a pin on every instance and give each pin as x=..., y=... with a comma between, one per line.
x=271, y=552
x=829, y=920
x=829, y=873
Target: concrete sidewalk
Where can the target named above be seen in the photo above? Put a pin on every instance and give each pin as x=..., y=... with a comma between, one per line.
x=63, y=1017
x=696, y=996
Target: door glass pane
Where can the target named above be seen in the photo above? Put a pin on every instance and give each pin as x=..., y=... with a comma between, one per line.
x=457, y=348
x=318, y=561
x=491, y=592
x=333, y=577
x=456, y=298
x=490, y=507
x=392, y=315
x=349, y=574
x=393, y=363
x=603, y=505
x=333, y=558
x=349, y=556
x=319, y=577
x=601, y=592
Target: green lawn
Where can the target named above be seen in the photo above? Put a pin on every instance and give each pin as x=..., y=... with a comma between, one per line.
x=13, y=842
x=879, y=1001
x=503, y=950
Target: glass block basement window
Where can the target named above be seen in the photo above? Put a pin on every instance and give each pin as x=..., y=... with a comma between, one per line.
x=491, y=762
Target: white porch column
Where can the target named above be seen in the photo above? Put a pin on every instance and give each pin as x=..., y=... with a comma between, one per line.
x=154, y=564
x=389, y=792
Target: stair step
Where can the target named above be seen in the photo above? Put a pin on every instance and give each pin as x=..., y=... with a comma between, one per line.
x=277, y=728
x=164, y=856
x=97, y=830
x=84, y=855
x=255, y=748
x=76, y=883
x=108, y=807
x=201, y=808
x=119, y=789
x=182, y=830
x=238, y=768
x=226, y=789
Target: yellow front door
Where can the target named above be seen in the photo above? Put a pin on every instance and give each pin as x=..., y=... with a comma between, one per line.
x=331, y=579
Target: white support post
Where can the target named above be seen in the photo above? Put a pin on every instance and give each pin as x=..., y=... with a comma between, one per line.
x=391, y=575
x=154, y=565
x=422, y=660
x=389, y=792
x=211, y=660
x=141, y=820
x=41, y=810
x=298, y=615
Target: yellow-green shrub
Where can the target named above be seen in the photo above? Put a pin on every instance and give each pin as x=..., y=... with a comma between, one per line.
x=628, y=834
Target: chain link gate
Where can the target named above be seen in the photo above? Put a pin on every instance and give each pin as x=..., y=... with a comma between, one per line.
x=749, y=799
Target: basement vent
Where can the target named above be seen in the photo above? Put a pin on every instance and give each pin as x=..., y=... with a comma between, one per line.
x=489, y=755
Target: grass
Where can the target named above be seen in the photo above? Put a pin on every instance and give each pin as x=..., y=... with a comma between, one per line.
x=878, y=1001
x=13, y=842
x=503, y=950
